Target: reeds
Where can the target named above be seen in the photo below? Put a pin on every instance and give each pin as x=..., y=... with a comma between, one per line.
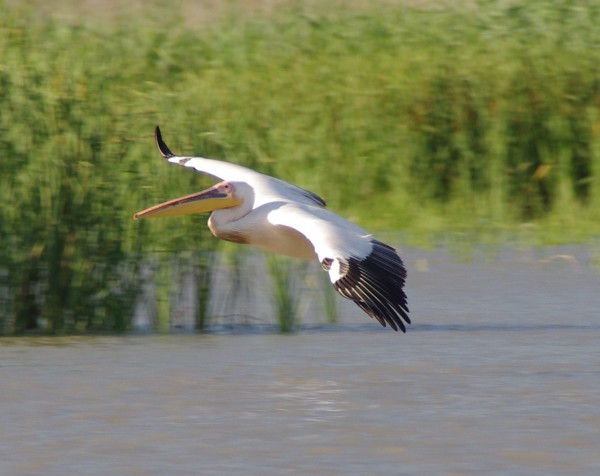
x=423, y=119
x=287, y=276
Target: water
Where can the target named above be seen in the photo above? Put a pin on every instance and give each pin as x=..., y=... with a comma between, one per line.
x=499, y=374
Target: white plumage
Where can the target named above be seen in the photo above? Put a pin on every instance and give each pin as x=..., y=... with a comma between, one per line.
x=253, y=208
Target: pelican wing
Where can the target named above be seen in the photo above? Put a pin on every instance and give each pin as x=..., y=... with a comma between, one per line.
x=268, y=185
x=360, y=267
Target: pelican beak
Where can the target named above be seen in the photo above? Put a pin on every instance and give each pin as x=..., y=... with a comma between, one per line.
x=200, y=202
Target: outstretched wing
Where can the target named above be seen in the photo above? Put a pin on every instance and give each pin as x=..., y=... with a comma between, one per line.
x=360, y=267
x=269, y=186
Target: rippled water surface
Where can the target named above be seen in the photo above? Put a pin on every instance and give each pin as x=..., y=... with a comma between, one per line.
x=500, y=373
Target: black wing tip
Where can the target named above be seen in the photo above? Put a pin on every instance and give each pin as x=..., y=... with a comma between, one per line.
x=160, y=144
x=394, y=321
x=386, y=319
x=376, y=284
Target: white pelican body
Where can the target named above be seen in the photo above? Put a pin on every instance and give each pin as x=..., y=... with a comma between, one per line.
x=252, y=208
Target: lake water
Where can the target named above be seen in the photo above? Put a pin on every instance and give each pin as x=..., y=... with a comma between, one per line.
x=500, y=373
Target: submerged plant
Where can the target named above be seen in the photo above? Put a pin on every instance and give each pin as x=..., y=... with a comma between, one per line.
x=203, y=264
x=286, y=277
x=234, y=264
x=330, y=297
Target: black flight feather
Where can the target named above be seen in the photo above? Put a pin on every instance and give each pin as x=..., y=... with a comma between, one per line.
x=376, y=284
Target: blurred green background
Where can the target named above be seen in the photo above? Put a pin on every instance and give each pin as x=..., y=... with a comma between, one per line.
x=418, y=117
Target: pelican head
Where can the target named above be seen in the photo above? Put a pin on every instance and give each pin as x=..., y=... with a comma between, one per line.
x=217, y=197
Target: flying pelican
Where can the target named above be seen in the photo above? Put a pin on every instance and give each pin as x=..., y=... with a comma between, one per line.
x=252, y=208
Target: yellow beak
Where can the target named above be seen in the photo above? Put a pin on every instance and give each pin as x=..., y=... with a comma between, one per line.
x=200, y=202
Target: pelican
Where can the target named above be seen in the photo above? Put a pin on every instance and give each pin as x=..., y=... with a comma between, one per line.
x=253, y=208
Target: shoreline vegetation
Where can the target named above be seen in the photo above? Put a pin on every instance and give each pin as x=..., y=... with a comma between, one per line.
x=479, y=121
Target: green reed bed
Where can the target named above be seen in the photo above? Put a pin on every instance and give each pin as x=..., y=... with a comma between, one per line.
x=422, y=119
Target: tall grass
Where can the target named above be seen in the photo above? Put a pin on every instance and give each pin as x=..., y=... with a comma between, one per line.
x=423, y=119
